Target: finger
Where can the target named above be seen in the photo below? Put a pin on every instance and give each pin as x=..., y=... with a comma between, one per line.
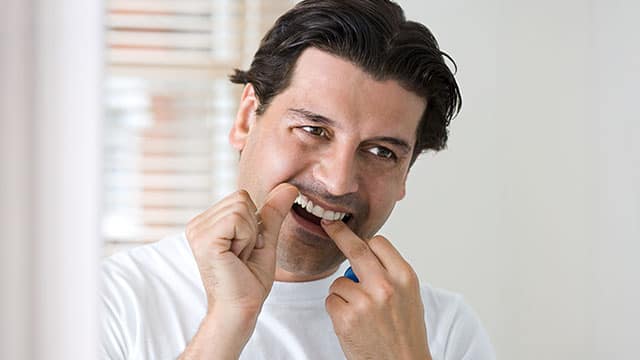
x=212, y=214
x=239, y=200
x=387, y=254
x=275, y=209
x=397, y=267
x=236, y=232
x=348, y=290
x=225, y=218
x=244, y=241
x=362, y=259
x=335, y=305
x=240, y=208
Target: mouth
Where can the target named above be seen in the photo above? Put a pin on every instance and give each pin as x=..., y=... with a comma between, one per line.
x=309, y=215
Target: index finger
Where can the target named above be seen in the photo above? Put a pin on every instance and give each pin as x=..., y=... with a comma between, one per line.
x=362, y=259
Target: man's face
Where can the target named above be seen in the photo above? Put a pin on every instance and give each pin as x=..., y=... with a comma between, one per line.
x=343, y=139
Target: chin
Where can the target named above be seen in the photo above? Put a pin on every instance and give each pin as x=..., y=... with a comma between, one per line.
x=306, y=254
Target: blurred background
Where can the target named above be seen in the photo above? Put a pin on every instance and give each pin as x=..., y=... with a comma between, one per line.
x=169, y=107
x=114, y=121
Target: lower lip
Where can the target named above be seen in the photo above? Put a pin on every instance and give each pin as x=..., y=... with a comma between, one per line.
x=308, y=224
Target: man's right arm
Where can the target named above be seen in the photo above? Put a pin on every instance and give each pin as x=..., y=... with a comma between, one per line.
x=234, y=246
x=220, y=337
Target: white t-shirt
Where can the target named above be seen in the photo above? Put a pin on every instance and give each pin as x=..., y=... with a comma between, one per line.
x=153, y=302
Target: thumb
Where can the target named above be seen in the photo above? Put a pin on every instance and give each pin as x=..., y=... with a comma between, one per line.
x=262, y=261
x=274, y=210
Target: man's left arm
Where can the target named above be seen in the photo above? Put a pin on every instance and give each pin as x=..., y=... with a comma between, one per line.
x=382, y=315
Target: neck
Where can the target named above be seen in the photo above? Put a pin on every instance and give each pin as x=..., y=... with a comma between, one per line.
x=287, y=276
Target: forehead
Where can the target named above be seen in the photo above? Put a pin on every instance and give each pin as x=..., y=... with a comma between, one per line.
x=337, y=89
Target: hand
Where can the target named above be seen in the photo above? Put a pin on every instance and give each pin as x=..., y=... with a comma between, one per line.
x=382, y=316
x=234, y=246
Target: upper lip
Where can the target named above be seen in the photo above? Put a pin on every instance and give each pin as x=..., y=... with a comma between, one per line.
x=327, y=206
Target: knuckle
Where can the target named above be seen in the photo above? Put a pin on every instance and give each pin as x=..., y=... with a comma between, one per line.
x=274, y=210
x=340, y=231
x=237, y=218
x=242, y=207
x=234, y=217
x=379, y=238
x=328, y=302
x=192, y=225
x=408, y=277
x=364, y=305
x=188, y=231
x=358, y=250
x=380, y=244
x=242, y=196
x=384, y=292
x=193, y=235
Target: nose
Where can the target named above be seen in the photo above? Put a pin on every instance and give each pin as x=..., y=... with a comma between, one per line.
x=338, y=171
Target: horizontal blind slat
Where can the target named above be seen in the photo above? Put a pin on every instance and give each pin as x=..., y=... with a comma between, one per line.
x=166, y=199
x=169, y=106
x=179, y=58
x=137, y=38
x=167, y=22
x=182, y=6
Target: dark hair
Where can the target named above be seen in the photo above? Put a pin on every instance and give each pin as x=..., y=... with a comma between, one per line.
x=372, y=34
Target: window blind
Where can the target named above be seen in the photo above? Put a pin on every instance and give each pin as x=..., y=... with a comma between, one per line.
x=168, y=108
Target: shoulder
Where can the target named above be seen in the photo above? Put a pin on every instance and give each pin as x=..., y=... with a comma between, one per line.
x=453, y=328
x=148, y=255
x=146, y=270
x=160, y=261
x=132, y=284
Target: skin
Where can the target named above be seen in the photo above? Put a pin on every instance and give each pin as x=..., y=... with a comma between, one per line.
x=344, y=140
x=341, y=170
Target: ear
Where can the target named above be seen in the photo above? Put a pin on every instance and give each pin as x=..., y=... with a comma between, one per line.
x=403, y=189
x=245, y=118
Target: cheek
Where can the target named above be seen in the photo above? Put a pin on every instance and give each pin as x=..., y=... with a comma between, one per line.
x=383, y=193
x=384, y=185
x=382, y=200
x=278, y=157
x=266, y=162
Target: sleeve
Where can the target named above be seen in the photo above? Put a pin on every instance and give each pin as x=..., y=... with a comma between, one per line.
x=113, y=316
x=467, y=339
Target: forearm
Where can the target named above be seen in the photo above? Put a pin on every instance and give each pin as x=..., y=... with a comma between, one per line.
x=220, y=337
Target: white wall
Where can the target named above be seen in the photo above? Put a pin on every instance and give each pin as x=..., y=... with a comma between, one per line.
x=50, y=129
x=616, y=292
x=532, y=213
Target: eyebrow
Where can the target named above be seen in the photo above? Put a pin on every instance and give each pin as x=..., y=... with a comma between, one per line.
x=320, y=119
x=311, y=116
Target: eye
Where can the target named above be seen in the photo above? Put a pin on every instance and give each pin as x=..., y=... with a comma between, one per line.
x=315, y=130
x=382, y=152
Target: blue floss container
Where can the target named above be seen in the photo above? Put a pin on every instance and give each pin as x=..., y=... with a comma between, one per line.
x=351, y=275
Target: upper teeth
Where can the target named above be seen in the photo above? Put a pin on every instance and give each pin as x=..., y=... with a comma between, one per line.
x=317, y=210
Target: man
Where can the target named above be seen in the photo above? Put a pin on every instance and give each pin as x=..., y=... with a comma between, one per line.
x=340, y=99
